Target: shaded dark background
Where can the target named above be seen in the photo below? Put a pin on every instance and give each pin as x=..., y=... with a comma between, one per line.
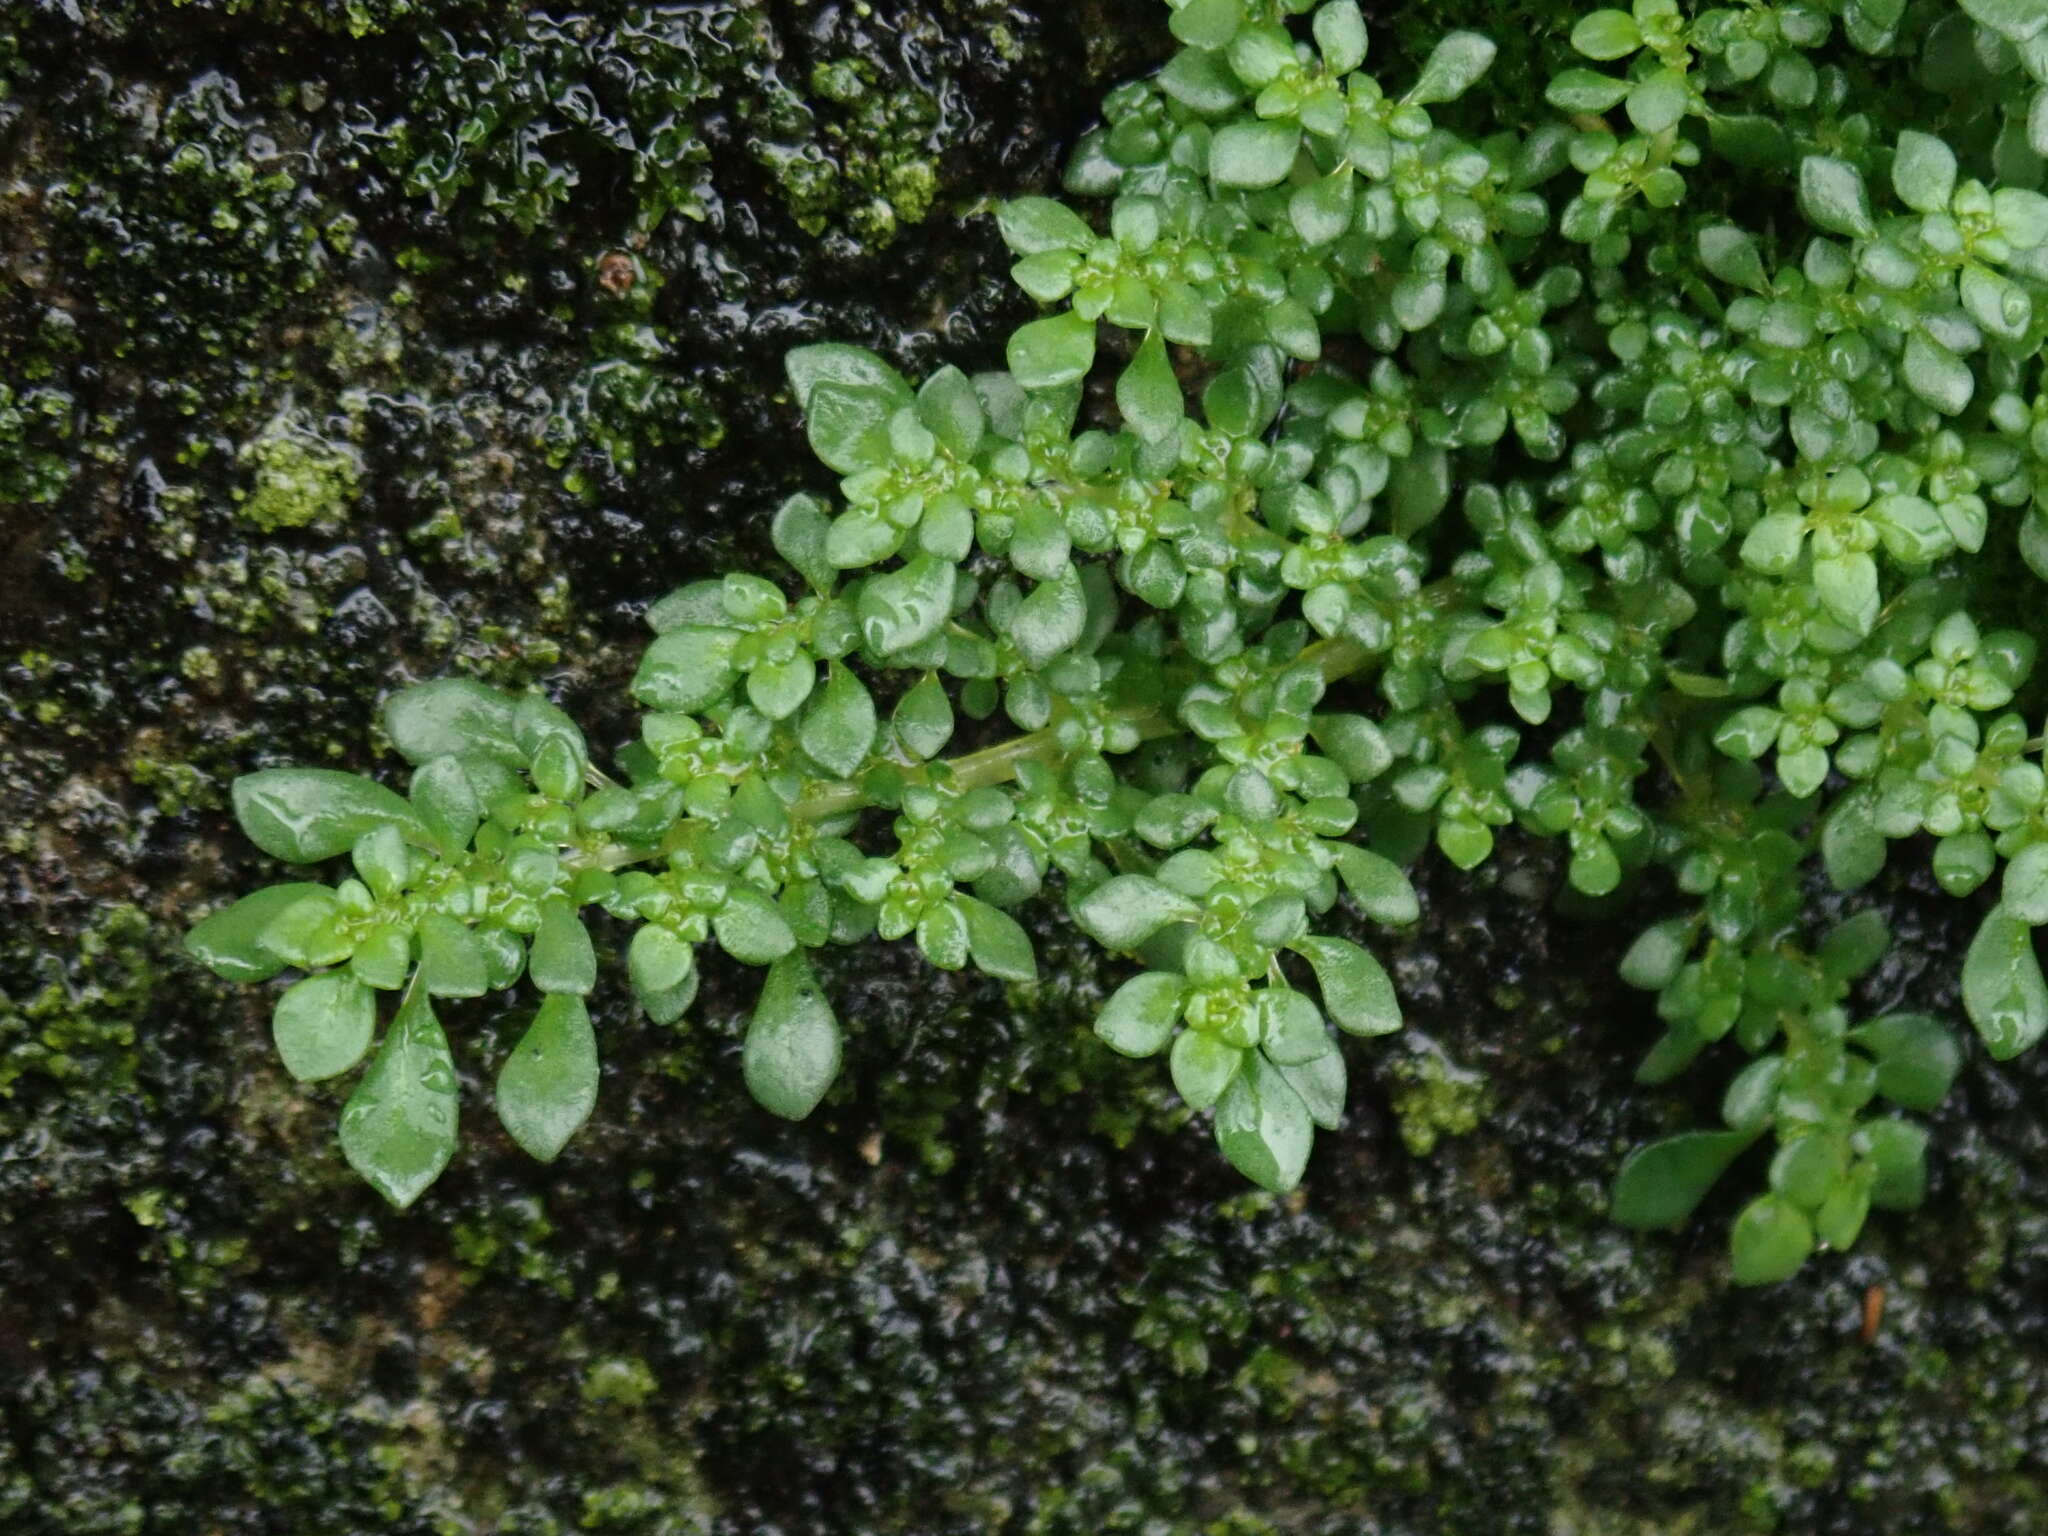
x=346, y=344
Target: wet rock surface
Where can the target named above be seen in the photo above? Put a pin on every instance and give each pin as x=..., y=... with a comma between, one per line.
x=350, y=343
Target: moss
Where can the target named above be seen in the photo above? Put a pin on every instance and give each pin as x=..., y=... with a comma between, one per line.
x=298, y=478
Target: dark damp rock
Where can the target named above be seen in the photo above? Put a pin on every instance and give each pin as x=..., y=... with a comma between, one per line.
x=353, y=342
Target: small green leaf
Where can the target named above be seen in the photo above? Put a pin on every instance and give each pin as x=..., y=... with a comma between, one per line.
x=323, y=1025
x=303, y=815
x=659, y=960
x=1660, y=1184
x=1832, y=196
x=1752, y=1097
x=1847, y=585
x=1202, y=82
x=1772, y=1238
x=1322, y=211
x=1937, y=375
x=999, y=946
x=449, y=717
x=1290, y=1027
x=398, y=1127
x=1207, y=23
x=1356, y=992
x=1033, y=224
x=1657, y=101
x=1263, y=1128
x=227, y=943
x=383, y=958
x=1607, y=35
x=1250, y=153
x=381, y=860
x=838, y=730
x=452, y=963
x=905, y=608
x=2014, y=20
x=1124, y=912
x=1655, y=958
x=1731, y=255
x=848, y=427
x=308, y=931
x=1139, y=1016
x=686, y=669
x=1339, y=29
x=1924, y=172
x=792, y=1049
x=952, y=412
x=1897, y=1149
x=778, y=688
x=2025, y=891
x=2003, y=990
x=923, y=719
x=832, y=362
x=1917, y=1058
x=799, y=532
x=1147, y=392
x=1050, y=619
x=750, y=928
x=561, y=959
x=1454, y=67
x=446, y=799
x=1852, y=847
x=1322, y=1083
x=548, y=1085
x=1202, y=1067
x=1584, y=90
x=1056, y=350
x=1378, y=886
x=942, y=936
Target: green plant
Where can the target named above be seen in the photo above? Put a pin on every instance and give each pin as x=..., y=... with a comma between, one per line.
x=1537, y=480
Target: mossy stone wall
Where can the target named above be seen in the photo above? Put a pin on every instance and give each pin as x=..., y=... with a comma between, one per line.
x=351, y=342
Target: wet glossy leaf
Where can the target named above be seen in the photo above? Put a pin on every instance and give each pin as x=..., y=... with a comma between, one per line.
x=1124, y=912
x=228, y=942
x=1263, y=1128
x=831, y=362
x=1252, y=154
x=1056, y=350
x=561, y=958
x=998, y=945
x=323, y=1025
x=792, y=1049
x=838, y=730
x=1147, y=393
x=750, y=928
x=686, y=669
x=1659, y=1184
x=548, y=1085
x=398, y=1127
x=1772, y=1238
x=1917, y=1058
x=452, y=716
x=1832, y=196
x=1454, y=67
x=923, y=719
x=1356, y=992
x=1378, y=886
x=904, y=608
x=2002, y=985
x=1050, y=619
x=452, y=962
x=1138, y=1019
x=303, y=815
x=1203, y=1066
